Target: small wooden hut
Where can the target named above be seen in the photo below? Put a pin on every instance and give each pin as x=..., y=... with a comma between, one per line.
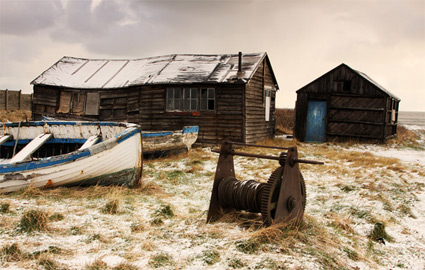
x=345, y=104
x=229, y=96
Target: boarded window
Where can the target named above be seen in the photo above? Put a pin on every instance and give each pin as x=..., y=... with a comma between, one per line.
x=92, y=104
x=64, y=102
x=78, y=101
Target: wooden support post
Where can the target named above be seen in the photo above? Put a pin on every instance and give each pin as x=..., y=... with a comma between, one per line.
x=19, y=99
x=6, y=99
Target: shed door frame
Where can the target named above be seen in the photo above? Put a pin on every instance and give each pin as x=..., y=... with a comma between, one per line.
x=315, y=130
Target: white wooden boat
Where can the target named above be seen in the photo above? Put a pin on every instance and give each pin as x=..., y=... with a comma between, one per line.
x=165, y=141
x=57, y=153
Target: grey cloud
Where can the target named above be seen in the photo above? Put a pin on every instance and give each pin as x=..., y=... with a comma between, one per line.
x=26, y=16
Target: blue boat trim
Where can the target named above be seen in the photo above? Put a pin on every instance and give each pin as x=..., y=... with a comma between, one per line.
x=191, y=129
x=128, y=133
x=70, y=123
x=27, y=166
x=50, y=141
x=158, y=134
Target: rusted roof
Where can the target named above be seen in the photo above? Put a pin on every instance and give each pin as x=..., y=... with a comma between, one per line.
x=74, y=72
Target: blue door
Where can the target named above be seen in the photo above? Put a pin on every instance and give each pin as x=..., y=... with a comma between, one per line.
x=316, y=121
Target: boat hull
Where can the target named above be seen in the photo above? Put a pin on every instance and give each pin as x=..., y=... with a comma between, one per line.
x=162, y=141
x=116, y=161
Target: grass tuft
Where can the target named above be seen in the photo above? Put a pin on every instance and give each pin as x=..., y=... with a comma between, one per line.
x=48, y=263
x=378, y=233
x=125, y=266
x=111, y=207
x=33, y=220
x=56, y=217
x=97, y=265
x=151, y=188
x=210, y=257
x=161, y=260
x=249, y=246
x=165, y=211
x=4, y=208
x=11, y=253
x=235, y=263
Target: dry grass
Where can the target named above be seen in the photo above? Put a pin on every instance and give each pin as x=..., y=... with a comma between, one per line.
x=285, y=120
x=405, y=137
x=152, y=188
x=33, y=220
x=12, y=253
x=14, y=115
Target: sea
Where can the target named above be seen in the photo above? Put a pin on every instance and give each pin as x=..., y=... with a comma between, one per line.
x=412, y=119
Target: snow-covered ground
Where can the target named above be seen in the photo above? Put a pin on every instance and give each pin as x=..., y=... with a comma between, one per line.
x=163, y=224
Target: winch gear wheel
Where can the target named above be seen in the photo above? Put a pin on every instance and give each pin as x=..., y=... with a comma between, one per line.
x=271, y=195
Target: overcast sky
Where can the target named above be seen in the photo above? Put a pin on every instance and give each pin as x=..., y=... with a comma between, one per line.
x=304, y=39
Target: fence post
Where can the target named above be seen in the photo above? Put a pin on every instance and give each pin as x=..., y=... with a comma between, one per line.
x=7, y=99
x=19, y=100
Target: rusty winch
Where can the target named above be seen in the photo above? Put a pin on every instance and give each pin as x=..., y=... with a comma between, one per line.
x=281, y=199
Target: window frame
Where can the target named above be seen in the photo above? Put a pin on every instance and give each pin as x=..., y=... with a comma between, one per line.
x=189, y=101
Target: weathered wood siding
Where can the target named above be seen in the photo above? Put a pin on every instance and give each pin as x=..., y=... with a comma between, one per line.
x=225, y=123
x=113, y=104
x=15, y=100
x=256, y=127
x=239, y=108
x=356, y=108
x=45, y=101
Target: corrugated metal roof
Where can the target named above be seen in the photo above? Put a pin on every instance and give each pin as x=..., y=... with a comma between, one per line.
x=74, y=72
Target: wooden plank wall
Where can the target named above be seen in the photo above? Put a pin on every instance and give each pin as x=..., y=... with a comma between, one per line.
x=257, y=128
x=357, y=112
x=225, y=123
x=126, y=100
x=45, y=102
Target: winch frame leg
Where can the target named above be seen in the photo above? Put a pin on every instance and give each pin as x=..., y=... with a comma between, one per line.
x=292, y=197
x=225, y=168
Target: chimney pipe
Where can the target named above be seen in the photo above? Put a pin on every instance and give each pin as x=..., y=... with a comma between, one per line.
x=240, y=63
x=239, y=74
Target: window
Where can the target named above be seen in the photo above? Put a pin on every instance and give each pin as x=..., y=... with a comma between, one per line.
x=207, y=99
x=268, y=94
x=342, y=86
x=173, y=99
x=190, y=99
x=347, y=86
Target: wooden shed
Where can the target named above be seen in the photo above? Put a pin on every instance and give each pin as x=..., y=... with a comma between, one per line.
x=345, y=104
x=229, y=96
